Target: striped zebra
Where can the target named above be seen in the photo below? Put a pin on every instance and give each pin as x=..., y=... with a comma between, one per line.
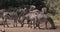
x=8, y=15
x=44, y=18
x=15, y=16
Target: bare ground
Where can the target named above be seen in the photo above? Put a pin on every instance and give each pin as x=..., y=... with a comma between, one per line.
x=26, y=29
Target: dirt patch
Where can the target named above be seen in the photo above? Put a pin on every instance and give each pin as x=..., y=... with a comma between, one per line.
x=26, y=29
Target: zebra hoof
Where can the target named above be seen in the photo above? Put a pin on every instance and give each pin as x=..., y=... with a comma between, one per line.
x=46, y=28
x=7, y=26
x=4, y=26
x=21, y=26
x=39, y=27
x=2, y=30
x=53, y=28
x=34, y=27
x=30, y=27
x=13, y=26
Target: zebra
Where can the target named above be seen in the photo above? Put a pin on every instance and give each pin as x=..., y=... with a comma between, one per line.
x=44, y=10
x=21, y=13
x=8, y=15
x=38, y=17
x=1, y=12
x=15, y=16
x=29, y=17
x=44, y=18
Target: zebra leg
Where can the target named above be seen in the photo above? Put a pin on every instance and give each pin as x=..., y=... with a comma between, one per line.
x=46, y=24
x=52, y=23
x=19, y=20
x=28, y=23
x=38, y=25
x=22, y=22
x=34, y=23
x=7, y=23
x=4, y=24
x=15, y=23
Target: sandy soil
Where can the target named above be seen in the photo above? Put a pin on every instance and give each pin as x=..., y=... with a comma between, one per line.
x=26, y=29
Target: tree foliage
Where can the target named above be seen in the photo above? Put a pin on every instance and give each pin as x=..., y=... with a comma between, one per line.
x=17, y=3
x=53, y=5
x=54, y=9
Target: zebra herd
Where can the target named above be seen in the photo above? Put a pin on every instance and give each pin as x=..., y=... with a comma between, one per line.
x=33, y=16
